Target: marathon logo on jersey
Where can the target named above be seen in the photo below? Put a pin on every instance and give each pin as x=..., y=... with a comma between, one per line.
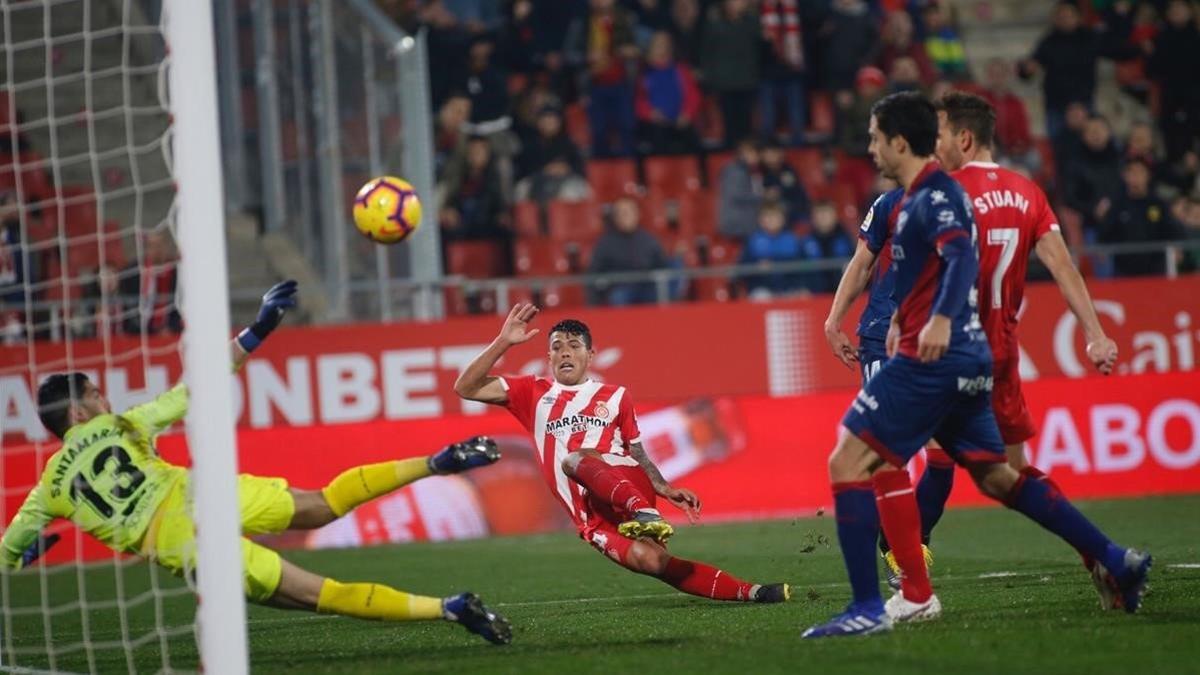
x=863, y=401
x=574, y=424
x=973, y=386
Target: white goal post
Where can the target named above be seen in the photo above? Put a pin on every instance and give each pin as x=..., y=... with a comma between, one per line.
x=200, y=232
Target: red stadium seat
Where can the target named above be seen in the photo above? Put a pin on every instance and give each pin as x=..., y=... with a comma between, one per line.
x=476, y=259
x=564, y=296
x=573, y=221
x=578, y=127
x=845, y=198
x=716, y=162
x=671, y=176
x=698, y=212
x=612, y=178
x=810, y=164
x=527, y=219
x=823, y=115
x=721, y=251
x=711, y=289
x=33, y=176
x=539, y=258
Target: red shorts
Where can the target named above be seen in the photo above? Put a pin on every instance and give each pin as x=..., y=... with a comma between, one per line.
x=1008, y=403
x=600, y=527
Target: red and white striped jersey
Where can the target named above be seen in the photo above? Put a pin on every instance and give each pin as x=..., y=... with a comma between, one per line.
x=564, y=418
x=1011, y=214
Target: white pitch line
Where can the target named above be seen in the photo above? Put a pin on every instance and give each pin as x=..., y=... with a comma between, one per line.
x=1185, y=566
x=650, y=596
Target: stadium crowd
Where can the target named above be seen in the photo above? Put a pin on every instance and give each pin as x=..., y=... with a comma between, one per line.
x=762, y=107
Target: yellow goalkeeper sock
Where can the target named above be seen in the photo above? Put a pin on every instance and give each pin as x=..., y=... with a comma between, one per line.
x=364, y=483
x=376, y=602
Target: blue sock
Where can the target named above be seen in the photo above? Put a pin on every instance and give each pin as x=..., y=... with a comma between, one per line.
x=1046, y=506
x=858, y=526
x=932, y=492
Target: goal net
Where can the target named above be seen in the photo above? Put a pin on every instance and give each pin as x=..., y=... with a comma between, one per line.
x=93, y=266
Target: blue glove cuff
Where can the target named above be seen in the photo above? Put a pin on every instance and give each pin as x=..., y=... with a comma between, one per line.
x=248, y=340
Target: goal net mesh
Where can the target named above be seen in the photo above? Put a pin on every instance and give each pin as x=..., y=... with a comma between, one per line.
x=87, y=283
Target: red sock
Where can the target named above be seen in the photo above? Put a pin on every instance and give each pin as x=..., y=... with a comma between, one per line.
x=901, y=520
x=705, y=581
x=609, y=486
x=1032, y=472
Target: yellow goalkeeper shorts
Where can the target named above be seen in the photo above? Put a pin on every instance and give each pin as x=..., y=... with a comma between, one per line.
x=266, y=507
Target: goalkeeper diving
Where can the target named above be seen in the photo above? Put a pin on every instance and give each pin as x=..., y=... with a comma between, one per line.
x=110, y=481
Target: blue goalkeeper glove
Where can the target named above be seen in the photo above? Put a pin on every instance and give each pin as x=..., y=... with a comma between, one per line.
x=38, y=548
x=275, y=304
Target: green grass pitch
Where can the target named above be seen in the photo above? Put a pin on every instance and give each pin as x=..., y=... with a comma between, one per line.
x=1016, y=601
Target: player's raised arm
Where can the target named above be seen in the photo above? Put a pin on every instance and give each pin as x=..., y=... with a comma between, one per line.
x=957, y=251
x=475, y=382
x=275, y=303
x=1052, y=251
x=854, y=281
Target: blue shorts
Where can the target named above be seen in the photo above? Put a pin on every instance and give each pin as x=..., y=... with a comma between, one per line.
x=871, y=355
x=908, y=402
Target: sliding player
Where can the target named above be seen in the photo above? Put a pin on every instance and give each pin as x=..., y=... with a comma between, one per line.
x=109, y=479
x=588, y=443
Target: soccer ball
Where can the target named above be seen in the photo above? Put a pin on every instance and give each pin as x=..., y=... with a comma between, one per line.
x=387, y=210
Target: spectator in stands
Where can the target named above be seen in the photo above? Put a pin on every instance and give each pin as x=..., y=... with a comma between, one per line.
x=685, y=29
x=943, y=44
x=740, y=192
x=12, y=270
x=653, y=16
x=855, y=167
x=487, y=87
x=1137, y=215
x=850, y=38
x=730, y=61
x=103, y=295
x=1186, y=211
x=827, y=241
x=473, y=204
x=898, y=42
x=1092, y=175
x=626, y=247
x=476, y=16
x=450, y=130
x=667, y=102
x=522, y=46
x=905, y=75
x=1014, y=140
x=550, y=166
x=1067, y=58
x=153, y=284
x=602, y=45
x=783, y=68
x=782, y=183
x=1173, y=63
x=773, y=242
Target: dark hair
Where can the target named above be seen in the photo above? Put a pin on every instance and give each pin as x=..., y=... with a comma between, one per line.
x=55, y=396
x=970, y=112
x=574, y=327
x=910, y=115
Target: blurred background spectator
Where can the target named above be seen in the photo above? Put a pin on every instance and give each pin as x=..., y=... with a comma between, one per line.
x=770, y=243
x=730, y=55
x=1136, y=215
x=1174, y=57
x=1092, y=174
x=740, y=192
x=626, y=247
x=667, y=102
x=897, y=41
x=850, y=40
x=943, y=43
x=782, y=183
x=783, y=69
x=550, y=166
x=827, y=241
x=473, y=204
x=153, y=284
x=601, y=44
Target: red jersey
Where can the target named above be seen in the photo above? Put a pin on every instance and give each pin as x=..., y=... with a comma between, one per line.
x=1011, y=214
x=564, y=418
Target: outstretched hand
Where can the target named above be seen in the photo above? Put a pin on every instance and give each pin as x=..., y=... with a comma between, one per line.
x=516, y=326
x=685, y=500
x=275, y=303
x=1102, y=352
x=841, y=345
x=38, y=548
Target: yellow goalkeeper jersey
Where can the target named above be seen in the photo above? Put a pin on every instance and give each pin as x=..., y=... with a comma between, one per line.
x=107, y=477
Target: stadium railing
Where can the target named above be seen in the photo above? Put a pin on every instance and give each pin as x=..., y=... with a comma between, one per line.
x=497, y=294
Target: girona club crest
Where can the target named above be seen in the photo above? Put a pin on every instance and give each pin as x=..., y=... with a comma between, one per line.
x=601, y=410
